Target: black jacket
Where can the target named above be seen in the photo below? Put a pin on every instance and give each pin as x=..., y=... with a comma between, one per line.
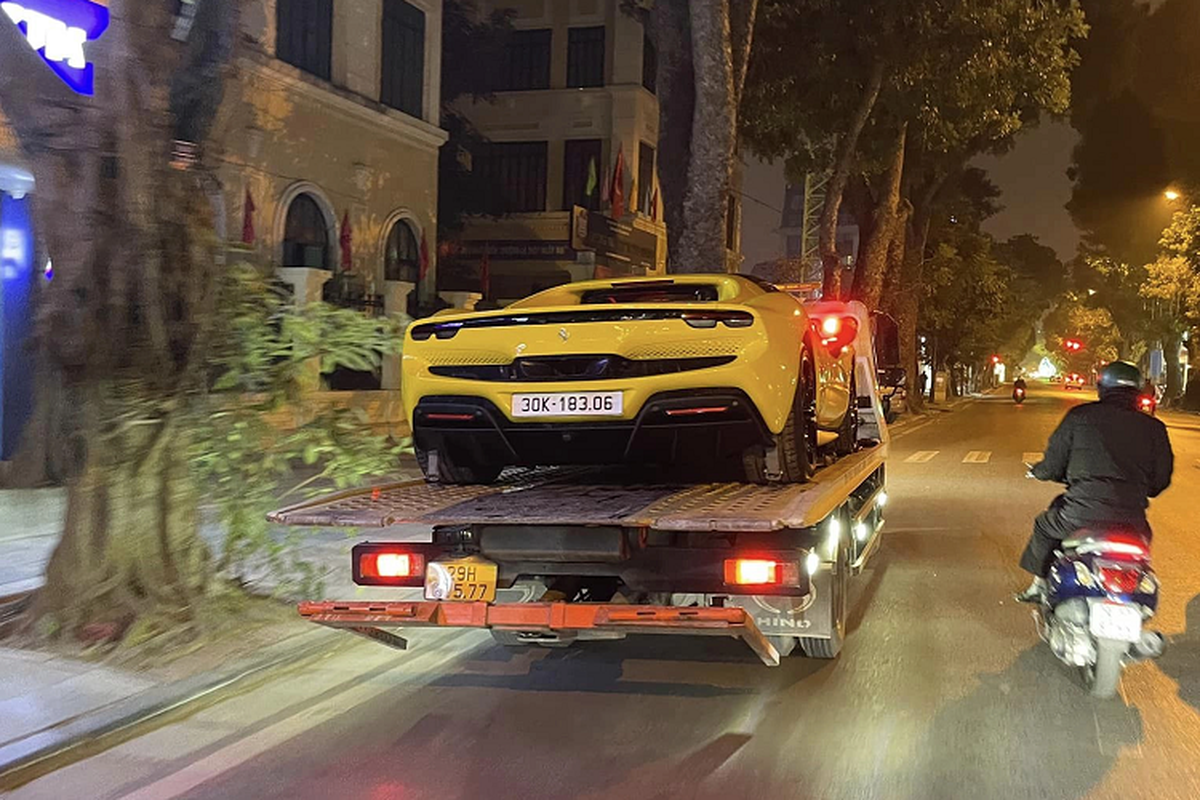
x=1112, y=458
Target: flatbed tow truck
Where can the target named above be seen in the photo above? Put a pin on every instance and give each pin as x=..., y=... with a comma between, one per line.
x=554, y=556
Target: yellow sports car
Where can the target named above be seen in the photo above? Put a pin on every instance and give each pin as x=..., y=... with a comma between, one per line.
x=720, y=371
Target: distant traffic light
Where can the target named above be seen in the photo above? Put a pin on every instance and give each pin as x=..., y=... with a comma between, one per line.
x=995, y=359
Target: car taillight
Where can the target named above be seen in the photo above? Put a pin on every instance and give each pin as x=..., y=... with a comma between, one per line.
x=388, y=566
x=1120, y=580
x=836, y=332
x=709, y=319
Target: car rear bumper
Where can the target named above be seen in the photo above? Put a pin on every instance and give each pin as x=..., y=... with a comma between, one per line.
x=671, y=428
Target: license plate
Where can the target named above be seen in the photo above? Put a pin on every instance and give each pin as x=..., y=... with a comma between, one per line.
x=568, y=404
x=1115, y=621
x=463, y=580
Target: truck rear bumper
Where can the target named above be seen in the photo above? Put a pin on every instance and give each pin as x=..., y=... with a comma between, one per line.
x=369, y=619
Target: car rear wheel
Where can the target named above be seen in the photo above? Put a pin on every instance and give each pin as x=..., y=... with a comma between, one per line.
x=439, y=467
x=795, y=447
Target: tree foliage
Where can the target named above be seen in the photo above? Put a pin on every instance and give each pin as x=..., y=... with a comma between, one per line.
x=1138, y=117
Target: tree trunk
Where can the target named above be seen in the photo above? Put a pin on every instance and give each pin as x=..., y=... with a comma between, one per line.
x=125, y=324
x=905, y=305
x=676, y=84
x=1171, y=346
x=843, y=161
x=872, y=266
x=702, y=245
x=132, y=529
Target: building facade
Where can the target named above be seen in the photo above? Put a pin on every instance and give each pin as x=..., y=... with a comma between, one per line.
x=574, y=116
x=329, y=143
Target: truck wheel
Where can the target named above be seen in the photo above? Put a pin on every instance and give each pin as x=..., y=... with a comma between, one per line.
x=839, y=590
x=448, y=471
x=797, y=444
x=847, y=441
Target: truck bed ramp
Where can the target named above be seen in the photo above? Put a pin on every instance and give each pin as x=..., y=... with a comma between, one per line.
x=581, y=497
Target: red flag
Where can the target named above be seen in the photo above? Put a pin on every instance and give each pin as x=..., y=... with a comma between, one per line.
x=654, y=205
x=617, y=192
x=424, y=259
x=248, y=210
x=345, y=241
x=485, y=275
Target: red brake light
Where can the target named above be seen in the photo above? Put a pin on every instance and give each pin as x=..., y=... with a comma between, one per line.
x=1120, y=580
x=752, y=572
x=836, y=332
x=390, y=565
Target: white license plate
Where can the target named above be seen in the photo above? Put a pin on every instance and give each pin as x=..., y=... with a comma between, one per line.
x=568, y=404
x=1114, y=621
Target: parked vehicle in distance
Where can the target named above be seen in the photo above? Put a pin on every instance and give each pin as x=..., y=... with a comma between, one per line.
x=703, y=369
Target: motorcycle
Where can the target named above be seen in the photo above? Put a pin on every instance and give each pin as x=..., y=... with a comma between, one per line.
x=1148, y=404
x=1101, y=591
x=1018, y=395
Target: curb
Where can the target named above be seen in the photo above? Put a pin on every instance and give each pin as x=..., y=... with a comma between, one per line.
x=41, y=752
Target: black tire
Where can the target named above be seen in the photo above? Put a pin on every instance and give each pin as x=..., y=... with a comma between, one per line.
x=1104, y=677
x=847, y=441
x=832, y=647
x=508, y=639
x=797, y=444
x=450, y=472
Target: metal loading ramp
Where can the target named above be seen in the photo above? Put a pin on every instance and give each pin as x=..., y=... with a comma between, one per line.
x=584, y=497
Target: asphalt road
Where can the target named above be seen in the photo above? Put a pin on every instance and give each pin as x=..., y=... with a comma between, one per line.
x=942, y=691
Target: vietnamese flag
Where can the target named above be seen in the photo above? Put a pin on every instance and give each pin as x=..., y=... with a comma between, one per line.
x=248, y=210
x=617, y=192
x=424, y=268
x=346, y=240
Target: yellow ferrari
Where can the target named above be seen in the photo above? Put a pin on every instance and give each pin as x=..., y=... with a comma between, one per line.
x=720, y=372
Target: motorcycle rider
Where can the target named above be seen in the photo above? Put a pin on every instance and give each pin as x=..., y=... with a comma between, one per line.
x=1018, y=385
x=1112, y=459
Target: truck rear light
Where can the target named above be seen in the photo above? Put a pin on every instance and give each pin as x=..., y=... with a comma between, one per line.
x=836, y=332
x=761, y=572
x=388, y=567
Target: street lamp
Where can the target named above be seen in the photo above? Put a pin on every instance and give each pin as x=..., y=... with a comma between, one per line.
x=1171, y=195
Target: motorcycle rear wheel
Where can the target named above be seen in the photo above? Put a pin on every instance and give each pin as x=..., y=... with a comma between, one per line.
x=1104, y=677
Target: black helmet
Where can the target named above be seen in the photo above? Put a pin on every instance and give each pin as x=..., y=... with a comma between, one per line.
x=1119, y=375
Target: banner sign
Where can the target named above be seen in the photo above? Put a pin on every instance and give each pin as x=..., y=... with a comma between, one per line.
x=59, y=30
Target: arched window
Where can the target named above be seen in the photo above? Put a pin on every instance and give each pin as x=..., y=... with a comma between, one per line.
x=402, y=259
x=305, y=235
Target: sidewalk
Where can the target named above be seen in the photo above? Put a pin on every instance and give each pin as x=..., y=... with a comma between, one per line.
x=47, y=697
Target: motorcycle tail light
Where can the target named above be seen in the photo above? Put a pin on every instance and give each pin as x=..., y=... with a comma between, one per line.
x=1120, y=580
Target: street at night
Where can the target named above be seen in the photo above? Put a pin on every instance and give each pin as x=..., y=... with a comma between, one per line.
x=942, y=691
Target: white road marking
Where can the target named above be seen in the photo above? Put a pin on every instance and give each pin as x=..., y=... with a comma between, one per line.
x=922, y=457
x=978, y=457
x=1032, y=458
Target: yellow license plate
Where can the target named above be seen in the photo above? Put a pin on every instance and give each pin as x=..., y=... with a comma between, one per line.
x=463, y=580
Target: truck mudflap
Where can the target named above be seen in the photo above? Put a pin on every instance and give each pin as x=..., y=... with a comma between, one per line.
x=370, y=618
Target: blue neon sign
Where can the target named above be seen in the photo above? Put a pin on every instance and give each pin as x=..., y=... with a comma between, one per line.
x=60, y=31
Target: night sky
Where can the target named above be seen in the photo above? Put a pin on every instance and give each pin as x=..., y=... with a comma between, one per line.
x=1033, y=178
